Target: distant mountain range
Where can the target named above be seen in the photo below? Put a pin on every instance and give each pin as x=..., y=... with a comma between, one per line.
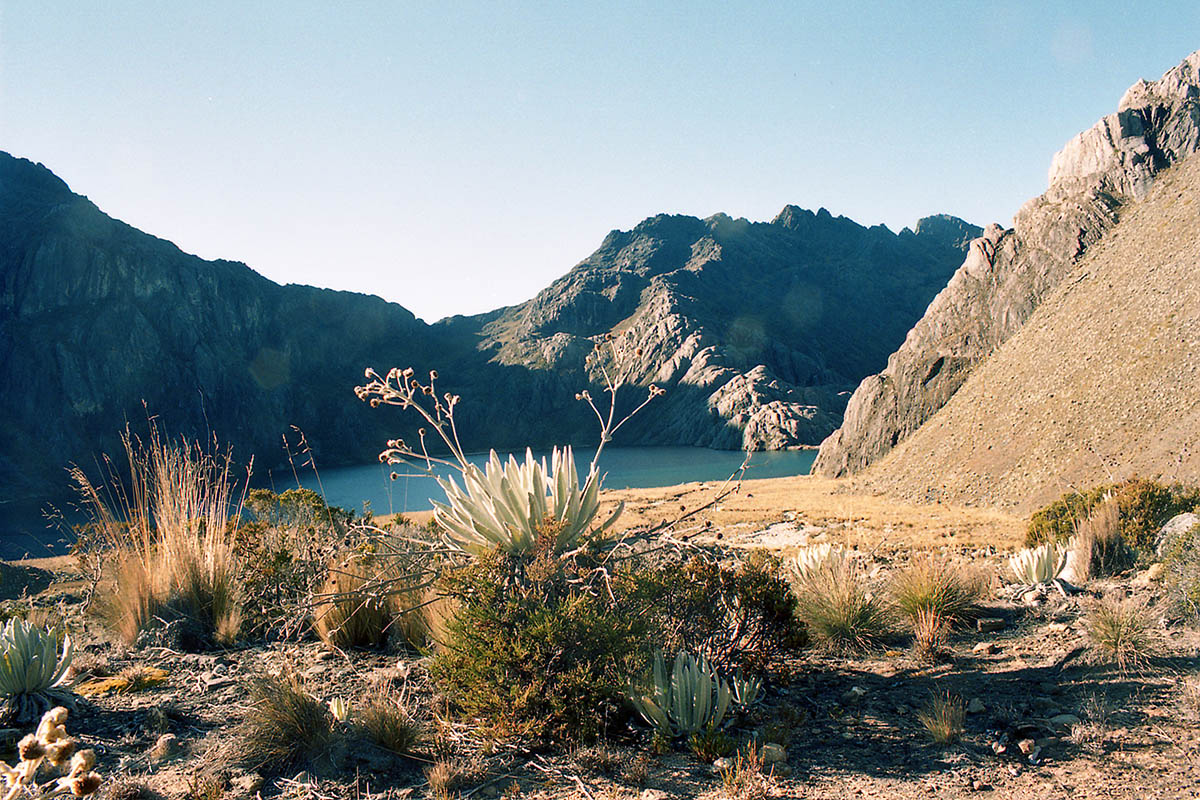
x=757, y=330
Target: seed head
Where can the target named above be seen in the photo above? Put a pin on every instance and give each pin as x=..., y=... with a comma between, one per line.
x=30, y=748
x=83, y=761
x=84, y=785
x=60, y=751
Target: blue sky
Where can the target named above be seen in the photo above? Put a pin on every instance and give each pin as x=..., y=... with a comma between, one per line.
x=458, y=157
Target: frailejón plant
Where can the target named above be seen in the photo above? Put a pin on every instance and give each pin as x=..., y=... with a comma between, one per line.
x=503, y=506
x=815, y=556
x=687, y=700
x=1040, y=566
x=746, y=689
x=32, y=666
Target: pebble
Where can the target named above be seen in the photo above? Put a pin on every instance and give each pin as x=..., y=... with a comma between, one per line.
x=980, y=786
x=987, y=648
x=249, y=783
x=976, y=706
x=1065, y=720
x=167, y=747
x=1058, y=627
x=989, y=624
x=723, y=763
x=773, y=753
x=1027, y=746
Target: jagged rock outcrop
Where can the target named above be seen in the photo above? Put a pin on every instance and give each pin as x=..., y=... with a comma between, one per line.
x=756, y=330
x=1008, y=273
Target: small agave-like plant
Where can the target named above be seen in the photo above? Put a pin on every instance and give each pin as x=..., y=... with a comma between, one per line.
x=33, y=667
x=1040, y=566
x=688, y=699
x=746, y=689
x=503, y=506
x=813, y=557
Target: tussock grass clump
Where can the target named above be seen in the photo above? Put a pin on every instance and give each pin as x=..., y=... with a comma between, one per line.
x=943, y=718
x=1098, y=548
x=746, y=780
x=386, y=721
x=347, y=614
x=948, y=591
x=286, y=729
x=1119, y=630
x=835, y=605
x=169, y=533
x=930, y=630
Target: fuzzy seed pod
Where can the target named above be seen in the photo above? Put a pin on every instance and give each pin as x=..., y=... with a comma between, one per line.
x=31, y=748
x=60, y=751
x=84, y=785
x=83, y=761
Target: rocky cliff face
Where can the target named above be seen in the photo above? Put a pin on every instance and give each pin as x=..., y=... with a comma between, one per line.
x=756, y=330
x=101, y=324
x=1008, y=273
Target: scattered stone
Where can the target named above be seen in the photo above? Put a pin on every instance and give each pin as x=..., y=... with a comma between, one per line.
x=166, y=748
x=1058, y=627
x=781, y=770
x=723, y=763
x=1026, y=746
x=654, y=794
x=987, y=648
x=213, y=682
x=976, y=706
x=980, y=786
x=853, y=695
x=773, y=753
x=1149, y=576
x=326, y=655
x=1176, y=526
x=1065, y=720
x=989, y=624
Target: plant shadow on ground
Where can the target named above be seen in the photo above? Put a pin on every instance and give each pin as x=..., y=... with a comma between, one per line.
x=879, y=735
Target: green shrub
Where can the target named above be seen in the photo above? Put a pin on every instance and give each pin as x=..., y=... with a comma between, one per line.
x=735, y=616
x=1181, y=562
x=1144, y=507
x=539, y=648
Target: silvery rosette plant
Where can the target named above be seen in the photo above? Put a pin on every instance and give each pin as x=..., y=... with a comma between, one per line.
x=503, y=506
x=687, y=700
x=33, y=667
x=1037, y=567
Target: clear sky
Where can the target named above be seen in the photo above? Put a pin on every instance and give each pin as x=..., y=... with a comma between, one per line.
x=458, y=157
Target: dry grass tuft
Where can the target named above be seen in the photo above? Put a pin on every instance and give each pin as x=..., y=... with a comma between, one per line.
x=347, y=613
x=286, y=729
x=836, y=607
x=1119, y=630
x=1098, y=548
x=949, y=591
x=386, y=721
x=943, y=718
x=169, y=533
x=746, y=780
x=930, y=630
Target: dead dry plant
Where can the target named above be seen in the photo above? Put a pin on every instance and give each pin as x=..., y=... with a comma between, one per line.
x=1119, y=631
x=838, y=609
x=950, y=591
x=943, y=717
x=930, y=631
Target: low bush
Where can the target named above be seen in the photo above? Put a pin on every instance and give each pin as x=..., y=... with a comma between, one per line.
x=1144, y=507
x=741, y=615
x=1181, y=564
x=949, y=591
x=838, y=609
x=539, y=648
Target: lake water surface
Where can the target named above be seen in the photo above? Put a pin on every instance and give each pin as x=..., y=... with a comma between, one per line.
x=624, y=468
x=24, y=531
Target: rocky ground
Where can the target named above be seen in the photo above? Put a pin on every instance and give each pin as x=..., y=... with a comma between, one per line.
x=1046, y=718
